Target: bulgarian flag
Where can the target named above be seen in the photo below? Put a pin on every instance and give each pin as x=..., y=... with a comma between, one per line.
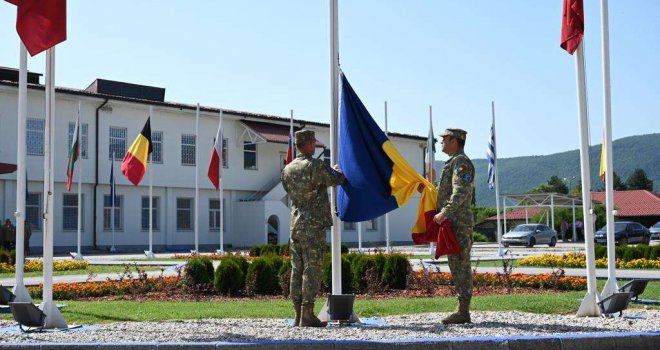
x=40, y=24
x=216, y=157
x=134, y=164
x=74, y=153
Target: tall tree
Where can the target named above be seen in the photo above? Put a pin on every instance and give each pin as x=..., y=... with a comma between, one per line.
x=618, y=184
x=554, y=184
x=639, y=181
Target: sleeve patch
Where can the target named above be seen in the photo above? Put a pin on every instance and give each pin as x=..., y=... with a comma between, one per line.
x=467, y=177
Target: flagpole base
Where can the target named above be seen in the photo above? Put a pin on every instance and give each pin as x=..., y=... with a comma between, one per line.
x=589, y=306
x=54, y=319
x=610, y=288
x=76, y=256
x=21, y=293
x=113, y=249
x=220, y=251
x=324, y=316
x=193, y=252
x=149, y=254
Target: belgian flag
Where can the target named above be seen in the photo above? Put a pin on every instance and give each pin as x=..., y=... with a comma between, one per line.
x=134, y=164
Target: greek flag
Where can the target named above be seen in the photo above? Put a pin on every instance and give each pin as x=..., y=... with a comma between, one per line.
x=491, y=157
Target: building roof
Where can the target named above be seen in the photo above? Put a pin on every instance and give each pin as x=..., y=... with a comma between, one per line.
x=632, y=203
x=274, y=133
x=182, y=106
x=6, y=168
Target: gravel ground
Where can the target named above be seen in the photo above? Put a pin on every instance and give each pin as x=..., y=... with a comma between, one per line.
x=485, y=324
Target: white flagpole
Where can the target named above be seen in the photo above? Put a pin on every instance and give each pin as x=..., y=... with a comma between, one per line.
x=359, y=230
x=611, y=286
x=222, y=206
x=113, y=194
x=589, y=306
x=431, y=160
x=79, y=252
x=334, y=138
x=500, y=253
x=388, y=248
x=150, y=253
x=196, y=182
x=19, y=287
x=54, y=318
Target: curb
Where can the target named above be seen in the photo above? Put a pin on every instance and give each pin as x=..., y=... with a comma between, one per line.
x=600, y=341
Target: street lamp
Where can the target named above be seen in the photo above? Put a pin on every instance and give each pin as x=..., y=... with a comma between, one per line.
x=569, y=180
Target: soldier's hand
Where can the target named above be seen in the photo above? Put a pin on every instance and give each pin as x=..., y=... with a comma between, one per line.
x=420, y=188
x=439, y=218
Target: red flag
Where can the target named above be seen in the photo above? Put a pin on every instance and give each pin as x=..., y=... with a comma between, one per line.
x=572, y=25
x=443, y=235
x=290, y=153
x=41, y=24
x=214, y=166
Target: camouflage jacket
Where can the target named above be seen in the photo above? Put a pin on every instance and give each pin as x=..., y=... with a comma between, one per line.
x=455, y=190
x=306, y=180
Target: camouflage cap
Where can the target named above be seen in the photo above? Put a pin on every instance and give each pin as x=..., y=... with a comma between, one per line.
x=456, y=133
x=303, y=136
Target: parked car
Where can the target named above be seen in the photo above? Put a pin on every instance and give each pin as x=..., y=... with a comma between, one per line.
x=530, y=235
x=655, y=230
x=624, y=232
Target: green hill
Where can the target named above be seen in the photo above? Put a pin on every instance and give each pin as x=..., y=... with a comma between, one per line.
x=520, y=174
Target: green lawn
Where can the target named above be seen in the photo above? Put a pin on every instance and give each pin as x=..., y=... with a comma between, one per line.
x=79, y=312
x=92, y=268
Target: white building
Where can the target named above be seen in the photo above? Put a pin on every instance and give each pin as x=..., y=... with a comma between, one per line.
x=112, y=115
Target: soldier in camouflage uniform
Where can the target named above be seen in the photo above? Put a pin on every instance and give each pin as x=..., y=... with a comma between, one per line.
x=455, y=191
x=306, y=180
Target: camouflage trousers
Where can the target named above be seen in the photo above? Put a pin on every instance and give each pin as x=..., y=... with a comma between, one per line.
x=459, y=264
x=307, y=248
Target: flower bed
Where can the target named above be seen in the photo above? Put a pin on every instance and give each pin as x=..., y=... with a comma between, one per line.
x=32, y=265
x=73, y=291
x=578, y=260
x=555, y=280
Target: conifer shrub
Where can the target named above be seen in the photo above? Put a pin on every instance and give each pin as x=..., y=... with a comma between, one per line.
x=359, y=267
x=261, y=278
x=396, y=270
x=346, y=276
x=241, y=261
x=229, y=277
x=198, y=271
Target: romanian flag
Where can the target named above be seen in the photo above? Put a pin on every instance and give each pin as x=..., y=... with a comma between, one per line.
x=40, y=24
x=134, y=164
x=379, y=179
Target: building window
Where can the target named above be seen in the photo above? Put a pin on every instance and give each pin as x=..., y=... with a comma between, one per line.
x=326, y=156
x=154, y=210
x=33, y=211
x=70, y=212
x=107, y=209
x=225, y=156
x=117, y=145
x=371, y=225
x=184, y=214
x=83, y=138
x=35, y=136
x=214, y=214
x=249, y=155
x=188, y=149
x=157, y=143
x=349, y=226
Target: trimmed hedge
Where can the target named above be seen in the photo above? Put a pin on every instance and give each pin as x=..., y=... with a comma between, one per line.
x=346, y=278
x=229, y=277
x=241, y=261
x=199, y=271
x=479, y=237
x=359, y=267
x=628, y=253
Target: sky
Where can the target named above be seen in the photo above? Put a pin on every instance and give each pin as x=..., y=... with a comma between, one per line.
x=268, y=56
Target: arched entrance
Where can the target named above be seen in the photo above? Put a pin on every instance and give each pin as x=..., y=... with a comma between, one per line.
x=273, y=229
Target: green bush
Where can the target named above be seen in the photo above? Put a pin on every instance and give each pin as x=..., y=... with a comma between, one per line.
x=275, y=260
x=654, y=252
x=284, y=275
x=198, y=271
x=601, y=251
x=255, y=250
x=346, y=278
x=361, y=263
x=229, y=277
x=7, y=257
x=261, y=278
x=396, y=270
x=380, y=260
x=270, y=249
x=241, y=261
x=479, y=237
